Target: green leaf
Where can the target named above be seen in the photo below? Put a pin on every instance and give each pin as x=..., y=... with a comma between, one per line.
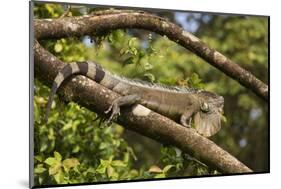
x=134, y=173
x=102, y=167
x=76, y=149
x=223, y=118
x=118, y=163
x=58, y=47
x=167, y=168
x=110, y=171
x=67, y=126
x=148, y=66
x=43, y=147
x=150, y=77
x=40, y=179
x=141, y=54
x=117, y=35
x=70, y=163
x=39, y=169
x=161, y=175
x=55, y=168
x=57, y=156
x=129, y=60
x=36, y=113
x=132, y=42
x=59, y=177
x=195, y=82
x=38, y=158
x=133, y=51
x=49, y=8
x=110, y=38
x=50, y=161
x=103, y=145
x=91, y=170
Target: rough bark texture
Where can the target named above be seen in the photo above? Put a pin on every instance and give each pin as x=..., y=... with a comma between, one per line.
x=115, y=19
x=138, y=118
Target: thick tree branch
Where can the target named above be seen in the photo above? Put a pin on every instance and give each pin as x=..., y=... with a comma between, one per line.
x=115, y=19
x=140, y=119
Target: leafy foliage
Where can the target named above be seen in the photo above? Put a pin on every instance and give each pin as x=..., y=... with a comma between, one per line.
x=74, y=147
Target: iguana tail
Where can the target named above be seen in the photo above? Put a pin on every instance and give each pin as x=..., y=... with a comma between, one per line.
x=89, y=69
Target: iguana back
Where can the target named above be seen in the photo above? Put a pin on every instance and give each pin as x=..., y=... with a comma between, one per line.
x=178, y=103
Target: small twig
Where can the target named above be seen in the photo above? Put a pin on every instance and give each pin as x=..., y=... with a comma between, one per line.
x=190, y=158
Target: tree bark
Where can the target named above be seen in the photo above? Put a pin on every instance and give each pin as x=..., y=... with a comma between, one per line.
x=115, y=19
x=138, y=118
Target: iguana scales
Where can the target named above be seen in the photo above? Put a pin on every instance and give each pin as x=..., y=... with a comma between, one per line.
x=178, y=103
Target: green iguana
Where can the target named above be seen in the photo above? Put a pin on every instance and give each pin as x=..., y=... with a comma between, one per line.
x=178, y=103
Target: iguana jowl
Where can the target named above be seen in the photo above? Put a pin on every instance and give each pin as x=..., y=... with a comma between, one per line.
x=178, y=103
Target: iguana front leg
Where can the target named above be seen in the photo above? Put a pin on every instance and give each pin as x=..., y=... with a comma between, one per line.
x=121, y=101
x=186, y=116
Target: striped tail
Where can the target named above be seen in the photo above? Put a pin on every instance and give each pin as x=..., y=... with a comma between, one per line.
x=88, y=69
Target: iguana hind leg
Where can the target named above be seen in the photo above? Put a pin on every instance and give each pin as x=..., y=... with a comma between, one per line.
x=121, y=101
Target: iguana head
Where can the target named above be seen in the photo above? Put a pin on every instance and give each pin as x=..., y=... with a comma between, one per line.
x=208, y=119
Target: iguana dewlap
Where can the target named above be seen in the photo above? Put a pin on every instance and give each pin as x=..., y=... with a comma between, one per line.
x=178, y=103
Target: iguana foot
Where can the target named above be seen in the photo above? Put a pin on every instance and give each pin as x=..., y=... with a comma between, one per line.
x=117, y=103
x=115, y=108
x=186, y=118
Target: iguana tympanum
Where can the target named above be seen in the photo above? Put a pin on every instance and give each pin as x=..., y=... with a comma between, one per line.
x=178, y=103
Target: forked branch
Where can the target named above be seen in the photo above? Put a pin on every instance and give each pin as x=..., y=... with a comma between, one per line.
x=115, y=19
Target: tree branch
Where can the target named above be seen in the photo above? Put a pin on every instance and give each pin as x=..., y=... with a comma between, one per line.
x=138, y=118
x=114, y=19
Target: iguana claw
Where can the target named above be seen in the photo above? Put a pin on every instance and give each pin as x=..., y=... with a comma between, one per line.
x=121, y=101
x=108, y=110
x=186, y=118
x=115, y=112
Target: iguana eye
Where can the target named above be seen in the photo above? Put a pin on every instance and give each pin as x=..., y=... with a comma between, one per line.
x=205, y=107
